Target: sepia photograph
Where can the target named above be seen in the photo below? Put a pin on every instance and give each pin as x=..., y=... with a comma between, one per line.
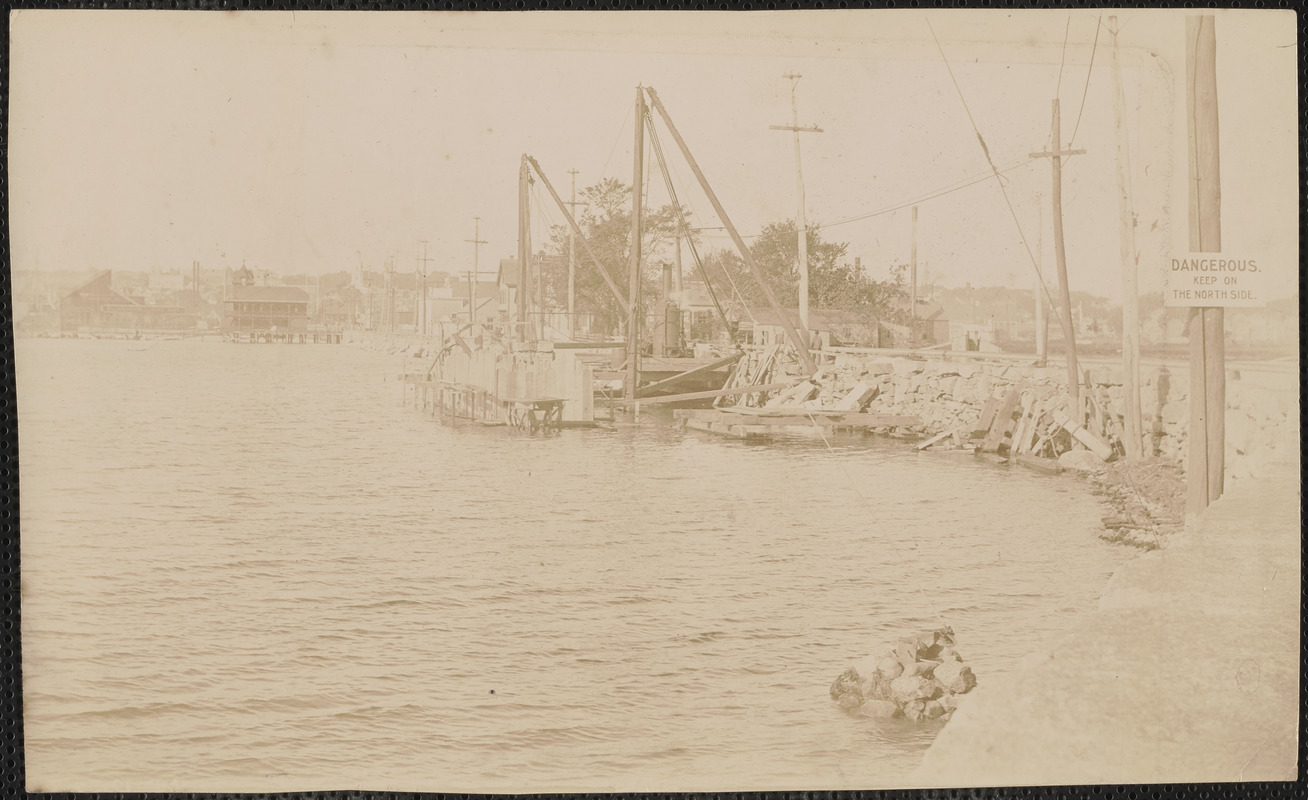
x=525, y=402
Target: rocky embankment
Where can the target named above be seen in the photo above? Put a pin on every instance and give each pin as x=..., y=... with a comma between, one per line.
x=1146, y=497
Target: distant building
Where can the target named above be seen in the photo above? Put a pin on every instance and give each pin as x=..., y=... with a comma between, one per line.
x=929, y=326
x=828, y=327
x=97, y=306
x=977, y=337
x=258, y=309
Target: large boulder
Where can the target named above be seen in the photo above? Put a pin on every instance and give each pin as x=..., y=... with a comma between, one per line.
x=847, y=690
x=1082, y=460
x=907, y=688
x=955, y=677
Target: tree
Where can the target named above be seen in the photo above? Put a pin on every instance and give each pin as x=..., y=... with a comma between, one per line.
x=834, y=283
x=606, y=225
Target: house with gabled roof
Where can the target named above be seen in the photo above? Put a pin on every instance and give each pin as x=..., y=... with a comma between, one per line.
x=256, y=309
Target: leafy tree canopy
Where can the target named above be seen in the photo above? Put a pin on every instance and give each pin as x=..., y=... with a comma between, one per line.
x=834, y=283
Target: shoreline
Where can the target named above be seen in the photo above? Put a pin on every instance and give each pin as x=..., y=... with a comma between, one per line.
x=1187, y=670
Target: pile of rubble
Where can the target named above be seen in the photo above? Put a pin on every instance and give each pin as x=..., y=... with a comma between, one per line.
x=1147, y=499
x=920, y=678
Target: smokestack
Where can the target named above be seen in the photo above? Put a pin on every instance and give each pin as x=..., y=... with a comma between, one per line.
x=858, y=264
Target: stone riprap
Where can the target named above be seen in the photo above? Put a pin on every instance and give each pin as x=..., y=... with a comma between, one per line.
x=950, y=395
x=919, y=678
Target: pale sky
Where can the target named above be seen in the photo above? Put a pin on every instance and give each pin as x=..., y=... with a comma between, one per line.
x=304, y=142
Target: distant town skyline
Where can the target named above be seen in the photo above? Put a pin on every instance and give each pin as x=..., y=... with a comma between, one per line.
x=315, y=142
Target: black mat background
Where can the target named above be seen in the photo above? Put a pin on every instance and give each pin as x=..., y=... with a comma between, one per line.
x=11, y=701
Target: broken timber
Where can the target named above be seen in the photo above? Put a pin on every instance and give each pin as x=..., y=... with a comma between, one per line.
x=654, y=388
x=799, y=421
x=678, y=398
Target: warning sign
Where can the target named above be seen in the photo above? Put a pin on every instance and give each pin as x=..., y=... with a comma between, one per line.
x=1210, y=279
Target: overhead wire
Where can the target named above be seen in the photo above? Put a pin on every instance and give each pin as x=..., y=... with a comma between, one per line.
x=954, y=187
x=1053, y=305
x=1093, y=47
x=622, y=129
x=681, y=222
x=931, y=195
x=700, y=227
x=1058, y=87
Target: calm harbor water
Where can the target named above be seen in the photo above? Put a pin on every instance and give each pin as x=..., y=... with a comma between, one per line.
x=248, y=568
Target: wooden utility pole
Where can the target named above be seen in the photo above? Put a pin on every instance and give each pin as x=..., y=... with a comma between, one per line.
x=477, y=242
x=420, y=318
x=633, y=293
x=1133, y=427
x=1207, y=350
x=390, y=294
x=576, y=230
x=1065, y=293
x=803, y=214
x=912, y=271
x=800, y=342
x=676, y=275
x=524, y=247
x=572, y=261
x=1041, y=298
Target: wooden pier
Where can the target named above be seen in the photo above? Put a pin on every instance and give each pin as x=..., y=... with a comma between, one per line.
x=283, y=337
x=531, y=388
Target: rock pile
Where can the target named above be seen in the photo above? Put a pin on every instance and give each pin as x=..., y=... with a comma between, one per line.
x=950, y=395
x=918, y=678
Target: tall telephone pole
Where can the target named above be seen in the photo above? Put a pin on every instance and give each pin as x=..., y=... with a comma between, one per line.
x=1065, y=294
x=1206, y=464
x=799, y=182
x=572, y=260
x=477, y=242
x=420, y=317
x=1134, y=433
x=1041, y=299
x=912, y=268
x=633, y=294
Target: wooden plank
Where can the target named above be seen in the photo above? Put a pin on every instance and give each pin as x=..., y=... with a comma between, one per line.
x=797, y=394
x=796, y=411
x=1032, y=429
x=879, y=420
x=988, y=412
x=677, y=398
x=734, y=379
x=1020, y=433
x=815, y=418
x=649, y=389
x=933, y=440
x=590, y=345
x=1085, y=437
x=857, y=397
x=1003, y=422
x=1049, y=466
